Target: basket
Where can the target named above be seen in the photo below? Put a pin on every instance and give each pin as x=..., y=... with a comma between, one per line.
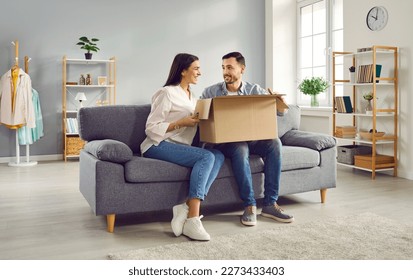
x=366, y=161
x=345, y=154
x=369, y=135
x=74, y=145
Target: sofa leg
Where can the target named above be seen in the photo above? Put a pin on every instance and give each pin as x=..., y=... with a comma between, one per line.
x=110, y=220
x=323, y=193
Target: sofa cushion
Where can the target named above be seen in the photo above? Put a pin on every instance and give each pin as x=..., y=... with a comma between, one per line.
x=298, y=158
x=315, y=141
x=148, y=170
x=109, y=150
x=141, y=169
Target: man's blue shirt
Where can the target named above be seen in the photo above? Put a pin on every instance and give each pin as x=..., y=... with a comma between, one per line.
x=220, y=89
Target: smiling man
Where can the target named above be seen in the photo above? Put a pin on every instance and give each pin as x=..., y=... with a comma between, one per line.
x=233, y=67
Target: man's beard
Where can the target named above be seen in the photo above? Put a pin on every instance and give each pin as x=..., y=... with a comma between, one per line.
x=231, y=81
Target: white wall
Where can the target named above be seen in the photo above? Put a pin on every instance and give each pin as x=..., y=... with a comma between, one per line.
x=144, y=35
x=280, y=52
x=396, y=33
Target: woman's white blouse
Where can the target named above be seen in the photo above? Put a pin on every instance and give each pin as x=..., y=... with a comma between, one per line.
x=169, y=104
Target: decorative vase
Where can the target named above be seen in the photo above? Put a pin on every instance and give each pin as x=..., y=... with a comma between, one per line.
x=82, y=80
x=88, y=80
x=314, y=101
x=88, y=55
x=352, y=77
x=369, y=108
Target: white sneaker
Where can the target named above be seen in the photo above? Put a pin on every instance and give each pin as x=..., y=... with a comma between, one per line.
x=180, y=214
x=194, y=229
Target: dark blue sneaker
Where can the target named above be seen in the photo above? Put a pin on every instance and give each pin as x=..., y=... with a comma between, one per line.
x=275, y=212
x=249, y=217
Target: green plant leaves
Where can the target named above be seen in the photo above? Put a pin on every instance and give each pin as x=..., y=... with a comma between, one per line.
x=87, y=44
x=313, y=86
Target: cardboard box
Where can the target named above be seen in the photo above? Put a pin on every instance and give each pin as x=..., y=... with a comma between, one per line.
x=366, y=161
x=237, y=118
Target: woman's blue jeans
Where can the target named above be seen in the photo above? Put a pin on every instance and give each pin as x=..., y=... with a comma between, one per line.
x=270, y=151
x=205, y=164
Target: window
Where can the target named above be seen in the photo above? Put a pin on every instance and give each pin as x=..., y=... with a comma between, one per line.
x=320, y=30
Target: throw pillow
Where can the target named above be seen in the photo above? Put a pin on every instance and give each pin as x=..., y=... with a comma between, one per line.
x=315, y=141
x=109, y=150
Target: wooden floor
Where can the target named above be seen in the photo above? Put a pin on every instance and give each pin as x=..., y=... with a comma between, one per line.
x=44, y=216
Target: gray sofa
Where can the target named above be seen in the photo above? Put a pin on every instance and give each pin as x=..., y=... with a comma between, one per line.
x=115, y=179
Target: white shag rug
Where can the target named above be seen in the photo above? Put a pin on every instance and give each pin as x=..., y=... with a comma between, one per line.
x=358, y=237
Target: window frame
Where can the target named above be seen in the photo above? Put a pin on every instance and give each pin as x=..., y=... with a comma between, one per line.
x=302, y=99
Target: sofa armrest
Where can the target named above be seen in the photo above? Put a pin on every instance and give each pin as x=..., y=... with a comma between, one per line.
x=315, y=141
x=109, y=150
x=101, y=183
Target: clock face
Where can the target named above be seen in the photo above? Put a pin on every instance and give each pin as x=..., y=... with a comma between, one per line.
x=377, y=18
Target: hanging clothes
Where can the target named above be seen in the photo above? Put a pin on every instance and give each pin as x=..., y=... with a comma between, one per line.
x=16, y=103
x=28, y=136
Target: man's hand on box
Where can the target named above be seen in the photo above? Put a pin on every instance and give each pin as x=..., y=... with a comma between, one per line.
x=280, y=98
x=282, y=111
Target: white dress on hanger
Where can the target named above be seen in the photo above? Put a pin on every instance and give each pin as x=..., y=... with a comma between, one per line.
x=23, y=111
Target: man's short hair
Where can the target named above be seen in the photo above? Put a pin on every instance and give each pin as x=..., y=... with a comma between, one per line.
x=237, y=55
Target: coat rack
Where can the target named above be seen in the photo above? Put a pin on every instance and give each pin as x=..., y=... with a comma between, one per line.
x=18, y=162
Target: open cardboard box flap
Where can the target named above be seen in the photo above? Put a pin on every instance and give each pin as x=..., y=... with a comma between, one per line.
x=203, y=105
x=202, y=108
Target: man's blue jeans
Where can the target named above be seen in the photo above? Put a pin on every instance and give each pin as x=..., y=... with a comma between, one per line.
x=270, y=151
x=205, y=164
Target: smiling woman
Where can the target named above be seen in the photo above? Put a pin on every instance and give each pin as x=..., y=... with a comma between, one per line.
x=170, y=130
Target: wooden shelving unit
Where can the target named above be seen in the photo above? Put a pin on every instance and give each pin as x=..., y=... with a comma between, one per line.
x=383, y=89
x=97, y=95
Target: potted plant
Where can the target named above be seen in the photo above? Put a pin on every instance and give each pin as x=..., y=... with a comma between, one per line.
x=313, y=87
x=89, y=45
x=368, y=97
x=352, y=70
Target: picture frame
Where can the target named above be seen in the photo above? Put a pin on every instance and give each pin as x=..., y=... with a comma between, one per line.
x=102, y=80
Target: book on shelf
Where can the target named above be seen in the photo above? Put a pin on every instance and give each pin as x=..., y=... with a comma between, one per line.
x=71, y=125
x=347, y=104
x=67, y=126
x=378, y=72
x=365, y=73
x=339, y=105
x=344, y=104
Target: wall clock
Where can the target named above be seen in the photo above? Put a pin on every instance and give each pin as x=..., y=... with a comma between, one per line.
x=377, y=18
